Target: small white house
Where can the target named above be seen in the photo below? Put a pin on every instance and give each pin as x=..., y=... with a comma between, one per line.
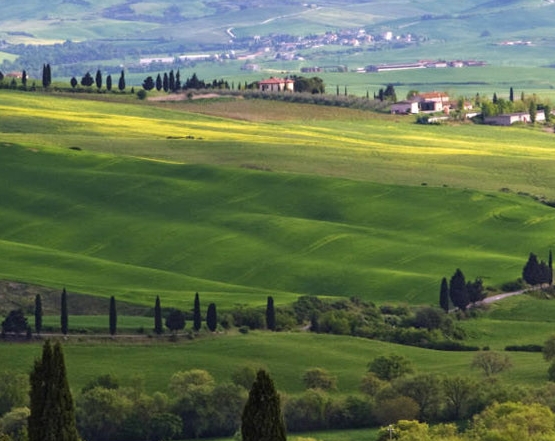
x=508, y=119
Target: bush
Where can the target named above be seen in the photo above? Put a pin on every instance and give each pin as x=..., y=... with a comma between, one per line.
x=141, y=94
x=524, y=348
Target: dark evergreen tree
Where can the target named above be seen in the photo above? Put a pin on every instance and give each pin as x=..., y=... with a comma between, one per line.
x=52, y=411
x=531, y=273
x=121, y=82
x=381, y=95
x=46, y=75
x=177, y=81
x=494, y=99
x=38, y=314
x=63, y=312
x=73, y=82
x=270, y=314
x=444, y=295
x=158, y=83
x=262, y=419
x=550, y=264
x=148, y=83
x=345, y=92
x=113, y=316
x=166, y=83
x=171, y=81
x=197, y=319
x=475, y=291
x=389, y=93
x=158, y=317
x=457, y=290
x=1, y=76
x=533, y=111
x=337, y=90
x=15, y=322
x=511, y=95
x=109, y=83
x=314, y=322
x=211, y=317
x=24, y=78
x=87, y=80
x=98, y=79
x=175, y=321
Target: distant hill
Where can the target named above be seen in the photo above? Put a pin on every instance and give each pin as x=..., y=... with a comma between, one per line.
x=116, y=32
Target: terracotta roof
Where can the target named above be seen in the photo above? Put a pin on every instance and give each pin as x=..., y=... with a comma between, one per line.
x=276, y=81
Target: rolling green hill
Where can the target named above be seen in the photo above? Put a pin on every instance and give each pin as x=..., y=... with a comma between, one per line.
x=142, y=221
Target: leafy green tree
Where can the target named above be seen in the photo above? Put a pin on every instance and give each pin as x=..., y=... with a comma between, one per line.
x=109, y=83
x=307, y=411
x=262, y=418
x=175, y=321
x=38, y=313
x=550, y=266
x=15, y=322
x=14, y=391
x=98, y=79
x=211, y=317
x=389, y=367
x=459, y=393
x=121, y=82
x=458, y=292
x=270, y=314
x=391, y=410
x=64, y=313
x=113, y=316
x=52, y=416
x=428, y=318
x=424, y=389
x=197, y=318
x=319, y=378
x=158, y=329
x=371, y=384
x=244, y=376
x=491, y=363
x=549, y=348
x=87, y=80
x=444, y=295
x=106, y=381
x=514, y=422
x=14, y=424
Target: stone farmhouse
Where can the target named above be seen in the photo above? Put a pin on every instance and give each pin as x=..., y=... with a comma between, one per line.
x=428, y=102
x=276, y=85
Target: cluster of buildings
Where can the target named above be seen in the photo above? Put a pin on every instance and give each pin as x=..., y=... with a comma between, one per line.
x=423, y=64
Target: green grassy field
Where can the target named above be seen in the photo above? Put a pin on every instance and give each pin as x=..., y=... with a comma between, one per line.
x=135, y=214
x=285, y=355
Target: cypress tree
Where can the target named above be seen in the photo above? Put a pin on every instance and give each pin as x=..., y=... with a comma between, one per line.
x=73, y=82
x=531, y=273
x=44, y=80
x=38, y=314
x=262, y=418
x=24, y=78
x=511, y=95
x=113, y=316
x=121, y=82
x=270, y=314
x=165, y=82
x=63, y=313
x=52, y=416
x=458, y=290
x=211, y=317
x=109, y=83
x=177, y=81
x=158, y=83
x=98, y=79
x=197, y=320
x=444, y=295
x=171, y=83
x=550, y=264
x=158, y=329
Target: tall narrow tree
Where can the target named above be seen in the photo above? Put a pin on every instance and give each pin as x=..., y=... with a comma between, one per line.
x=109, y=83
x=158, y=328
x=113, y=316
x=38, y=314
x=511, y=95
x=531, y=273
x=211, y=317
x=24, y=78
x=63, y=313
x=171, y=80
x=52, y=411
x=158, y=83
x=550, y=264
x=444, y=295
x=270, y=314
x=121, y=82
x=262, y=418
x=197, y=319
x=98, y=79
x=166, y=82
x=458, y=290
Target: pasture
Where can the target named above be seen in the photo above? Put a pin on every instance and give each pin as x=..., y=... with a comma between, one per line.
x=285, y=355
x=162, y=201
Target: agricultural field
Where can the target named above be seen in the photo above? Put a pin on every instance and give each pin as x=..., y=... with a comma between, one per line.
x=241, y=199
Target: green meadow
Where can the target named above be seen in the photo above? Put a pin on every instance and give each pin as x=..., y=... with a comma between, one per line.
x=163, y=201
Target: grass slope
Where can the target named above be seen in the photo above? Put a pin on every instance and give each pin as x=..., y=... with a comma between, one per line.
x=344, y=357
x=133, y=228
